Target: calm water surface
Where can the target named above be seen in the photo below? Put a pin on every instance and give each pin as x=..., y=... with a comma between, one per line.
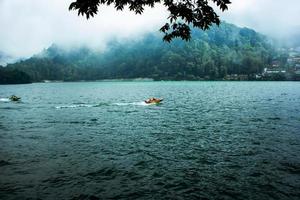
x=208, y=140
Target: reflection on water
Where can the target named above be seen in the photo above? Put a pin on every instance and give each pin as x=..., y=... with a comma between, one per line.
x=207, y=140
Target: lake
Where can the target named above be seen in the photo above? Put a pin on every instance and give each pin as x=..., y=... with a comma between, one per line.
x=98, y=140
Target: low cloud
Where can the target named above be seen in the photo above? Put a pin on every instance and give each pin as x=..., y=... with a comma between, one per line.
x=29, y=26
x=276, y=18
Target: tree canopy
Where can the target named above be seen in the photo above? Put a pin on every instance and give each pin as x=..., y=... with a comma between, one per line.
x=216, y=54
x=182, y=13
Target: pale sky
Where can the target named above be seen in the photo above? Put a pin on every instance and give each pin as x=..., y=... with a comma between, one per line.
x=278, y=18
x=29, y=26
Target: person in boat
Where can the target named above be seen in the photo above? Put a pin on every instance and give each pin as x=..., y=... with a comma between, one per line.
x=148, y=100
x=14, y=98
x=153, y=100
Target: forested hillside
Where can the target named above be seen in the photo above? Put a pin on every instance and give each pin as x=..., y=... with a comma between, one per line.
x=209, y=55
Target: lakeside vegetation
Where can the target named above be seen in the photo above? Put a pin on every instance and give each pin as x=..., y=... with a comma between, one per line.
x=221, y=53
x=13, y=76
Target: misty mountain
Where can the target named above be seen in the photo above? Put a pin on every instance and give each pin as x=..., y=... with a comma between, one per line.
x=4, y=58
x=293, y=40
x=211, y=54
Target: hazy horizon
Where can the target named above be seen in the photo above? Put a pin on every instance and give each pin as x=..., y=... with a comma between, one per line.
x=30, y=26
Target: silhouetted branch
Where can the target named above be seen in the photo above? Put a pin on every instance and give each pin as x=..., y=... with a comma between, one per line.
x=182, y=13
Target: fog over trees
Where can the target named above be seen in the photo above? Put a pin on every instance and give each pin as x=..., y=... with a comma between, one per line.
x=209, y=55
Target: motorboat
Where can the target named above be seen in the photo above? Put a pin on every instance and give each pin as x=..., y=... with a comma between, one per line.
x=14, y=98
x=153, y=101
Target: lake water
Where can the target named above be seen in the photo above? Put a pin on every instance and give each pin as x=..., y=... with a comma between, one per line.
x=98, y=140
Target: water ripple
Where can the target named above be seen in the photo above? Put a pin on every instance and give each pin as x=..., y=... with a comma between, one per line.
x=208, y=140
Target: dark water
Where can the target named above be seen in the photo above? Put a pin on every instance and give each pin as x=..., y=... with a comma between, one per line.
x=208, y=140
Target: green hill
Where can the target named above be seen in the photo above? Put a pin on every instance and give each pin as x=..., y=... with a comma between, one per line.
x=211, y=54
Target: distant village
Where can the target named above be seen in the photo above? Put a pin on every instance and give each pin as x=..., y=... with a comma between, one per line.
x=284, y=67
x=289, y=69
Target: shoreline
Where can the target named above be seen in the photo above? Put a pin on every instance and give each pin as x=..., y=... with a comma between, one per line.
x=143, y=81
